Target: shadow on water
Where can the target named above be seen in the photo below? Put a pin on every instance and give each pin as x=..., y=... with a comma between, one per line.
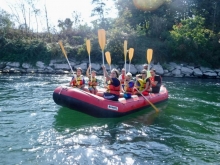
x=67, y=118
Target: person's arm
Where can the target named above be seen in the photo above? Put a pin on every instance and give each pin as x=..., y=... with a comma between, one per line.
x=106, y=74
x=122, y=87
x=137, y=83
x=153, y=83
x=120, y=77
x=147, y=85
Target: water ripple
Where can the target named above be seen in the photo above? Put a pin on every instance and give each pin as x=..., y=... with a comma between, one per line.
x=34, y=130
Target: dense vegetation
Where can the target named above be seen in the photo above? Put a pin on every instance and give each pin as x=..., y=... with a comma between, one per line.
x=179, y=30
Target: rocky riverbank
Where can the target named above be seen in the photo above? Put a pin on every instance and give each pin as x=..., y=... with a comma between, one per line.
x=61, y=67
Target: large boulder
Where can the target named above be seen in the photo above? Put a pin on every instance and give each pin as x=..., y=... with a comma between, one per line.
x=217, y=70
x=13, y=64
x=172, y=65
x=40, y=64
x=177, y=73
x=197, y=72
x=83, y=66
x=132, y=70
x=159, y=69
x=49, y=70
x=210, y=74
x=96, y=66
x=2, y=65
x=26, y=65
x=139, y=68
x=167, y=73
x=61, y=66
x=186, y=70
x=204, y=69
x=108, y=67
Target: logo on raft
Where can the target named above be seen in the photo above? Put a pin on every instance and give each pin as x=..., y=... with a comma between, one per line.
x=113, y=107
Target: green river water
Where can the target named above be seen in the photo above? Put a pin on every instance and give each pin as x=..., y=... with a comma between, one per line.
x=36, y=131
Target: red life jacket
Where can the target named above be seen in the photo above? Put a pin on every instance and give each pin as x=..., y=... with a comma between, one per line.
x=113, y=89
x=122, y=79
x=77, y=82
x=92, y=83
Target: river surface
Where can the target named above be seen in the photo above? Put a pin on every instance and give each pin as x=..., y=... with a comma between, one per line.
x=36, y=131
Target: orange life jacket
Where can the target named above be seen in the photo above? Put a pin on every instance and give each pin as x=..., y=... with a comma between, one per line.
x=113, y=89
x=92, y=83
x=77, y=82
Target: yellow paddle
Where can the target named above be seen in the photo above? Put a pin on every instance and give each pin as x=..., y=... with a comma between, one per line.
x=149, y=58
x=64, y=53
x=102, y=39
x=88, y=46
x=157, y=110
x=125, y=52
x=131, y=53
x=108, y=58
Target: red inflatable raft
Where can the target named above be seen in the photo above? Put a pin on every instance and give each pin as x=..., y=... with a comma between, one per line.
x=97, y=106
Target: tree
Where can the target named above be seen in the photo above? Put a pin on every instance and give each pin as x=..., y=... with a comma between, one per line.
x=5, y=22
x=100, y=10
x=191, y=42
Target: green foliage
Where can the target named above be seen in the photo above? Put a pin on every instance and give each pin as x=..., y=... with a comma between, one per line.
x=190, y=41
x=26, y=50
x=171, y=31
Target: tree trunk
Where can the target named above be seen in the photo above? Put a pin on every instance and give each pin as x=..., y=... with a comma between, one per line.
x=48, y=28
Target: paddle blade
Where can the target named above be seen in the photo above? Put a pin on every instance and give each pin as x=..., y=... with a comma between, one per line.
x=88, y=46
x=131, y=53
x=108, y=57
x=62, y=48
x=125, y=48
x=149, y=55
x=102, y=39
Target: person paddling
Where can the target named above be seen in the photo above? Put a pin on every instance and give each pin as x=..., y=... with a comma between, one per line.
x=113, y=85
x=122, y=76
x=142, y=84
x=92, y=84
x=145, y=66
x=78, y=80
x=155, y=81
x=128, y=86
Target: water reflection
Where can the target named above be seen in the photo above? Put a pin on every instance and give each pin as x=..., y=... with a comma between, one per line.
x=34, y=130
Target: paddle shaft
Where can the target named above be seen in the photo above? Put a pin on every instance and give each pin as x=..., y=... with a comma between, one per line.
x=129, y=66
x=90, y=69
x=64, y=53
x=148, y=101
x=69, y=65
x=131, y=53
x=125, y=52
x=103, y=63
